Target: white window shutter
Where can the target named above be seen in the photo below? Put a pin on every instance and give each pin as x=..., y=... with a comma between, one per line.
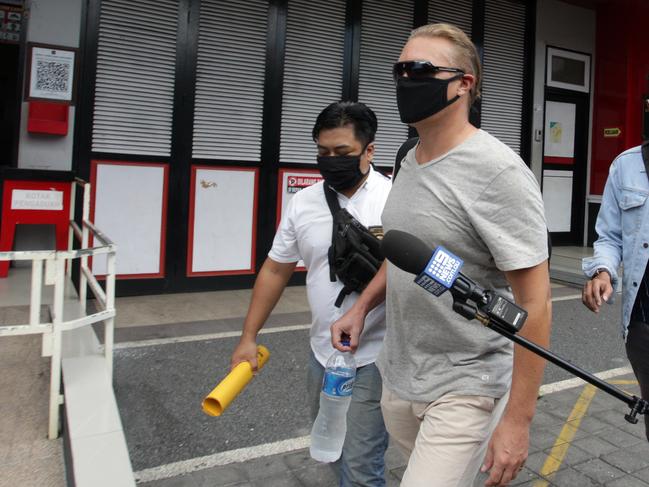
x=229, y=100
x=134, y=88
x=503, y=77
x=313, y=72
x=457, y=12
x=386, y=26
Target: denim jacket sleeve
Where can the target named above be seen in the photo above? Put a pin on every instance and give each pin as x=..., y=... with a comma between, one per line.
x=608, y=247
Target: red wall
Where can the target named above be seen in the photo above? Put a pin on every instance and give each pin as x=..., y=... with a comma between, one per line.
x=621, y=80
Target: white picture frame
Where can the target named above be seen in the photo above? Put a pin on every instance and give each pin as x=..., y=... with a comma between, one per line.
x=554, y=54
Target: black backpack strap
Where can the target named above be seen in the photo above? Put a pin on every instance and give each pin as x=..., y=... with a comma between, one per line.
x=401, y=153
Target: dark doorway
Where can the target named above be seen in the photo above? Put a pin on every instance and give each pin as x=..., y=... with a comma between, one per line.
x=9, y=103
x=565, y=155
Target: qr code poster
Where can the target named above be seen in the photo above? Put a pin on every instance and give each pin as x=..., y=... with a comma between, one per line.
x=51, y=73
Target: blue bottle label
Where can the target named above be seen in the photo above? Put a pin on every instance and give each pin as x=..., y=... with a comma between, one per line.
x=337, y=385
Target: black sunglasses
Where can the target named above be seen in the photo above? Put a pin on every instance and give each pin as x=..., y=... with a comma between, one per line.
x=419, y=69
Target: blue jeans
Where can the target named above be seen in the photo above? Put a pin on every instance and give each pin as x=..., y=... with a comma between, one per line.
x=362, y=463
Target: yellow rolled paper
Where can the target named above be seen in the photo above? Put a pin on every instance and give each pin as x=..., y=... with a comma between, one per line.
x=223, y=394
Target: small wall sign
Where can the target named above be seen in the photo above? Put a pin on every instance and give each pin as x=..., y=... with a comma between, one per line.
x=612, y=132
x=31, y=199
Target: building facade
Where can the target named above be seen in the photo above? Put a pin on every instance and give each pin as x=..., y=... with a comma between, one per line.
x=192, y=118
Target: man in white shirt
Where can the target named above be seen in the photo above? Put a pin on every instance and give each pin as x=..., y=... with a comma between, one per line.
x=344, y=134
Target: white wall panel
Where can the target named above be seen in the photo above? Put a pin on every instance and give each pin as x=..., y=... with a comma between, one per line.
x=222, y=220
x=557, y=199
x=129, y=207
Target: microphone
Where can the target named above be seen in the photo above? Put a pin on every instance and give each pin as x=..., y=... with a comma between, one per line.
x=440, y=271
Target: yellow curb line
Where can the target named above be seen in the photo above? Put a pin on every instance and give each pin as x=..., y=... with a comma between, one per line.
x=562, y=444
x=621, y=382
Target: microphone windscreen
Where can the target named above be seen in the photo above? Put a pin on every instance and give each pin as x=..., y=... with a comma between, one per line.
x=405, y=251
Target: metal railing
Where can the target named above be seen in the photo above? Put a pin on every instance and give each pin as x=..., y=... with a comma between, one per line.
x=56, y=268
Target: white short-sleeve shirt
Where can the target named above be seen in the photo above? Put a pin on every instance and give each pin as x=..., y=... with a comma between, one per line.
x=305, y=234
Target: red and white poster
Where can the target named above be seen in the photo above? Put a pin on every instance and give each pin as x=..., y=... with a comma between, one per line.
x=290, y=182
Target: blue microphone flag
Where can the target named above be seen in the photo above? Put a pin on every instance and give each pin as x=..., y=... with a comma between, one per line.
x=440, y=272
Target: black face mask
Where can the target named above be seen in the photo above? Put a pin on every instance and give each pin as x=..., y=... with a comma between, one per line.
x=418, y=99
x=341, y=172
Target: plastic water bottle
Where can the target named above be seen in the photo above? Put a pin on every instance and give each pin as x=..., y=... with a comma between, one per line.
x=330, y=427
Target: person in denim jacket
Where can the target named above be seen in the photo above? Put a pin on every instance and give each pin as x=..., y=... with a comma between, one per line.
x=623, y=230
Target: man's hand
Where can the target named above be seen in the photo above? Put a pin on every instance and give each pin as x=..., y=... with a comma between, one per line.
x=507, y=452
x=352, y=324
x=246, y=351
x=596, y=290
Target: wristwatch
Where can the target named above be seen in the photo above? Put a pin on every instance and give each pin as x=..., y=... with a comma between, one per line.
x=599, y=271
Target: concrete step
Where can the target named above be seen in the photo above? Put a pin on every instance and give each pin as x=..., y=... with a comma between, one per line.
x=567, y=276
x=565, y=264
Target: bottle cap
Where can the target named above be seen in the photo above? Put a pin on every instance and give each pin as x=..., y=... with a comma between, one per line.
x=345, y=342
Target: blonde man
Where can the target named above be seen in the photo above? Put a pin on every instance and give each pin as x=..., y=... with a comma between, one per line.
x=454, y=398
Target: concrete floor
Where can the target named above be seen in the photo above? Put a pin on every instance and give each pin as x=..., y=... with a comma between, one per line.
x=26, y=457
x=193, y=307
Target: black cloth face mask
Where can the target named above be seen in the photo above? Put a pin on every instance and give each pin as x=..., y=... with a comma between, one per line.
x=341, y=172
x=418, y=99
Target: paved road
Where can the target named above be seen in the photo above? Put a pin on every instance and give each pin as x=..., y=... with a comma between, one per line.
x=159, y=388
x=591, y=341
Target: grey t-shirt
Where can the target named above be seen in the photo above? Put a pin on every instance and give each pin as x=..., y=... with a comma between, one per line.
x=483, y=204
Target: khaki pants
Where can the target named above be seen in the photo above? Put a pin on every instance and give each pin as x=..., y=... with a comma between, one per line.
x=446, y=440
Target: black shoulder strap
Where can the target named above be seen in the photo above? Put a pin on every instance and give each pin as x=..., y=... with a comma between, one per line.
x=332, y=199
x=334, y=208
x=401, y=153
x=645, y=156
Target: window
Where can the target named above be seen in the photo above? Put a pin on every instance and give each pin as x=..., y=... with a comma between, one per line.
x=568, y=70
